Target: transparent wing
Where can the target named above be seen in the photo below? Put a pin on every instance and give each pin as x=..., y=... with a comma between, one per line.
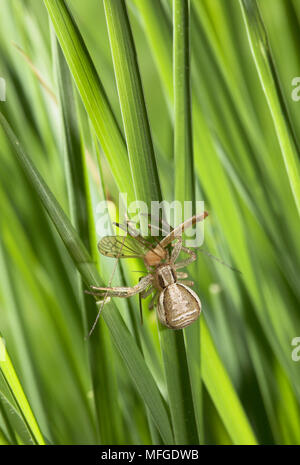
x=122, y=247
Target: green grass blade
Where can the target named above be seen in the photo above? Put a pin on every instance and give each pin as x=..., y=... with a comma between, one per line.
x=185, y=180
x=147, y=188
x=3, y=439
x=121, y=337
x=74, y=161
x=6, y=427
x=11, y=393
x=269, y=80
x=134, y=114
x=12, y=305
x=91, y=90
x=159, y=32
x=183, y=139
x=225, y=399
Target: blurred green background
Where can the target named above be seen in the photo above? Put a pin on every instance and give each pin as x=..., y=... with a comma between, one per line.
x=127, y=383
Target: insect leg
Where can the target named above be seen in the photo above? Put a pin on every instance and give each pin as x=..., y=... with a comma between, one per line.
x=102, y=303
x=97, y=294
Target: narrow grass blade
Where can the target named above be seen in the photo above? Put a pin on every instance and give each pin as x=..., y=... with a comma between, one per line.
x=12, y=304
x=12, y=394
x=3, y=439
x=184, y=174
x=183, y=139
x=121, y=337
x=91, y=90
x=6, y=428
x=159, y=31
x=269, y=80
x=225, y=399
x=73, y=147
x=136, y=125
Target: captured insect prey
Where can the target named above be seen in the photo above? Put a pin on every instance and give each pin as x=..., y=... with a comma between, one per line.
x=177, y=305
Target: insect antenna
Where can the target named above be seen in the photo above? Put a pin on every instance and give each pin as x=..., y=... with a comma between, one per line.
x=208, y=254
x=106, y=294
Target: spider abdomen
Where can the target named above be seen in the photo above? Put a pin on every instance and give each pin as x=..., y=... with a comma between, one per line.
x=178, y=306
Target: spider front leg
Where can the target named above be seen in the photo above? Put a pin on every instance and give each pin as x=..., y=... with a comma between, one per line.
x=123, y=291
x=176, y=250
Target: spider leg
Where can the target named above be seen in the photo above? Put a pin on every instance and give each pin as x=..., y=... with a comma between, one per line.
x=208, y=254
x=124, y=291
x=187, y=261
x=178, y=231
x=181, y=275
x=176, y=250
x=186, y=282
x=167, y=255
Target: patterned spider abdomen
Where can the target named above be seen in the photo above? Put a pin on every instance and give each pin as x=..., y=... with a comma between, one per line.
x=178, y=306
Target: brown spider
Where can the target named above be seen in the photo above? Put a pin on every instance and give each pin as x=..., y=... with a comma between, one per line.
x=177, y=305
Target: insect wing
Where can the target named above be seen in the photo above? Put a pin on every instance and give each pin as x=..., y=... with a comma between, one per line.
x=121, y=247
